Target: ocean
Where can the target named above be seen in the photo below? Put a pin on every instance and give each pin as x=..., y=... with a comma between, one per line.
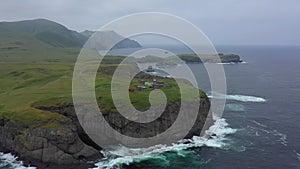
x=259, y=128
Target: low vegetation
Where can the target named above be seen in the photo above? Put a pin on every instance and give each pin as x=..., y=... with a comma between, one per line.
x=26, y=86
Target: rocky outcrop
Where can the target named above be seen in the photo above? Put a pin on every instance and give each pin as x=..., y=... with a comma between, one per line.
x=71, y=145
x=191, y=58
x=134, y=129
x=61, y=145
x=161, y=124
x=230, y=58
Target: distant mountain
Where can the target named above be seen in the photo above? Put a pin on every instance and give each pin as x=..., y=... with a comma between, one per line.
x=46, y=31
x=105, y=38
x=87, y=33
x=45, y=40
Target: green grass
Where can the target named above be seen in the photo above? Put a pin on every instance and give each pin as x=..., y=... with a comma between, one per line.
x=27, y=85
x=139, y=99
x=23, y=47
x=38, y=40
x=23, y=85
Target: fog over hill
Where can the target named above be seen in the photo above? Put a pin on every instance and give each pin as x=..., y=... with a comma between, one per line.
x=46, y=39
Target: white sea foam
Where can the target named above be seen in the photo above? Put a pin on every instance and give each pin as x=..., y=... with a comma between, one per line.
x=232, y=63
x=259, y=124
x=297, y=155
x=123, y=155
x=235, y=107
x=241, y=98
x=10, y=161
x=281, y=137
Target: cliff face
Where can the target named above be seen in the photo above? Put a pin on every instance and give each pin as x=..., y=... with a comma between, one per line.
x=211, y=59
x=71, y=145
x=161, y=124
x=47, y=145
x=230, y=58
x=133, y=129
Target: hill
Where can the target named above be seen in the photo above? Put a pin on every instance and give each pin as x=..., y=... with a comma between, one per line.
x=45, y=40
x=105, y=38
x=46, y=31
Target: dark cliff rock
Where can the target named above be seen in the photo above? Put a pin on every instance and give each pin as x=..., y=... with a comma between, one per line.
x=230, y=58
x=71, y=145
x=46, y=145
x=192, y=58
x=161, y=124
x=133, y=129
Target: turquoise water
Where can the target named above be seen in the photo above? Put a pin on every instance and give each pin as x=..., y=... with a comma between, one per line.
x=262, y=105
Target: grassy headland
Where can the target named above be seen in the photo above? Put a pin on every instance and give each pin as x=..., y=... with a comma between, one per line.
x=36, y=67
x=26, y=86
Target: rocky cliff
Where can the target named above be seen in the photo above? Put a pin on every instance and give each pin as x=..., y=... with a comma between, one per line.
x=69, y=144
x=61, y=145
x=46, y=130
x=223, y=58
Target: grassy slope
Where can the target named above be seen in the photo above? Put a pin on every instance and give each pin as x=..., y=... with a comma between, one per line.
x=22, y=47
x=38, y=40
x=24, y=86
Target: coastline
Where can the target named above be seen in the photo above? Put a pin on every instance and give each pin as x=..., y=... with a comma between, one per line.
x=31, y=162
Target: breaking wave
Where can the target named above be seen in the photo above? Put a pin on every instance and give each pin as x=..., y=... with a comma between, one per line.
x=125, y=156
x=297, y=155
x=241, y=98
x=232, y=63
x=9, y=161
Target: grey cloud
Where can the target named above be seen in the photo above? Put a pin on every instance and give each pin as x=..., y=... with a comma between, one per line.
x=244, y=22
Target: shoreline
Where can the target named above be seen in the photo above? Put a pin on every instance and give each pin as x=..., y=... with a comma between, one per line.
x=46, y=165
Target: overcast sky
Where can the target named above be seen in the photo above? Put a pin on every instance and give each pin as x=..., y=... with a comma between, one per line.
x=225, y=22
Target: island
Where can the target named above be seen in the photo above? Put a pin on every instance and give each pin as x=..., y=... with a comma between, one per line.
x=173, y=60
x=202, y=58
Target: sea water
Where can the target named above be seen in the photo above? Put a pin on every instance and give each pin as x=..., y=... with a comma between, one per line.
x=259, y=129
